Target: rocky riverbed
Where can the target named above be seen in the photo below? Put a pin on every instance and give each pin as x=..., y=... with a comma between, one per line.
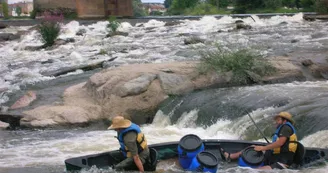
x=154, y=61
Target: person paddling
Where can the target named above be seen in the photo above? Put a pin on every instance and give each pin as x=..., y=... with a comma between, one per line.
x=133, y=144
x=280, y=153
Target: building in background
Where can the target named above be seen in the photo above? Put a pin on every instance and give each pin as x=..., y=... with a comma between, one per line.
x=154, y=8
x=26, y=8
x=90, y=8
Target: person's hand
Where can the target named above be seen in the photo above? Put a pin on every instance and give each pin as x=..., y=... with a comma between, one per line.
x=259, y=148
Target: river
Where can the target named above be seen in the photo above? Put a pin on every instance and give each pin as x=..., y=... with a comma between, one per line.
x=211, y=114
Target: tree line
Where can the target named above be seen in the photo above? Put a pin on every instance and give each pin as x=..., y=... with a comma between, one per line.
x=246, y=6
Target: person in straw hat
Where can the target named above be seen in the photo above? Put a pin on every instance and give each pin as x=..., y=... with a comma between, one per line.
x=280, y=153
x=133, y=144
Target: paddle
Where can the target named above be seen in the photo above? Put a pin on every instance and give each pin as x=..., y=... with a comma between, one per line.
x=257, y=127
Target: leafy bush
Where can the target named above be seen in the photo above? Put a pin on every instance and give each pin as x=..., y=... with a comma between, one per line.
x=246, y=65
x=273, y=4
x=243, y=6
x=5, y=10
x=50, y=28
x=138, y=9
x=321, y=6
x=203, y=9
x=156, y=13
x=113, y=24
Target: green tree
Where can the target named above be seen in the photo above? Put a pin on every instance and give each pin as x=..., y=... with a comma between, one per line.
x=178, y=6
x=219, y=3
x=168, y=3
x=307, y=3
x=18, y=10
x=184, y=4
x=138, y=9
x=321, y=6
x=242, y=6
x=289, y=3
x=272, y=4
x=298, y=4
x=5, y=10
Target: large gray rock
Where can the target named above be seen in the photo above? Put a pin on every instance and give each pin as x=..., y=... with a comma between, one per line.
x=81, y=32
x=33, y=48
x=111, y=34
x=175, y=84
x=243, y=26
x=3, y=26
x=25, y=100
x=136, y=86
x=194, y=40
x=3, y=125
x=78, y=108
x=8, y=36
x=135, y=92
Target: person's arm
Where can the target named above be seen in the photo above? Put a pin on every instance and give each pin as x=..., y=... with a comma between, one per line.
x=271, y=146
x=138, y=162
x=284, y=134
x=131, y=143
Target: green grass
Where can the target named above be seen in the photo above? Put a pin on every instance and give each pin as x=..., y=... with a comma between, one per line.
x=246, y=65
x=279, y=10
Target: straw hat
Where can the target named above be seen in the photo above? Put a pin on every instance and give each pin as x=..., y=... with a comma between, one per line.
x=285, y=115
x=119, y=122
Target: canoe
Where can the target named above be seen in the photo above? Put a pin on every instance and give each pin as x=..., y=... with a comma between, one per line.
x=165, y=151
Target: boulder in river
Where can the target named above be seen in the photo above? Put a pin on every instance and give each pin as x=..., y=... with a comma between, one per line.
x=25, y=100
x=3, y=125
x=8, y=36
x=137, y=90
x=3, y=26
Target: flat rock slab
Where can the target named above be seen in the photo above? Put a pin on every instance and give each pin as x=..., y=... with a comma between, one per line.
x=175, y=84
x=136, y=86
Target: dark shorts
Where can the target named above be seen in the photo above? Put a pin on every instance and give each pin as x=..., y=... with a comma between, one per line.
x=278, y=161
x=128, y=164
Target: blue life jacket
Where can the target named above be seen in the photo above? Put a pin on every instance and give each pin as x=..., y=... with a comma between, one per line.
x=290, y=145
x=141, y=140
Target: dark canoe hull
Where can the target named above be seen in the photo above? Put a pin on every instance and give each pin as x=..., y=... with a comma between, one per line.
x=169, y=150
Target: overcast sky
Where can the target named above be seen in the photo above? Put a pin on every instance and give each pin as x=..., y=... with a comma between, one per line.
x=14, y=1
x=162, y=1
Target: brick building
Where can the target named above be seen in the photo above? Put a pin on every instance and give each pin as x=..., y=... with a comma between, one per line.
x=26, y=7
x=154, y=7
x=90, y=8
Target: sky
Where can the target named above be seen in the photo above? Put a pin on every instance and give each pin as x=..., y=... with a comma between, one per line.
x=14, y=1
x=161, y=1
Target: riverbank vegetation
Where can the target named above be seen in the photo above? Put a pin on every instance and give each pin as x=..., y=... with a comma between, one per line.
x=246, y=65
x=4, y=10
x=49, y=28
x=201, y=7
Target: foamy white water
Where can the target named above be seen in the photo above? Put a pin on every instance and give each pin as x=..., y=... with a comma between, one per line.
x=35, y=148
x=151, y=42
